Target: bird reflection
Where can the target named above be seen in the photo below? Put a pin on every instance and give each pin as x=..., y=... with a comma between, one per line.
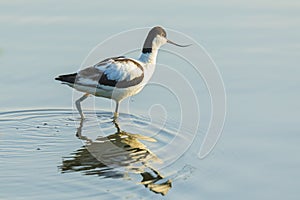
x=117, y=156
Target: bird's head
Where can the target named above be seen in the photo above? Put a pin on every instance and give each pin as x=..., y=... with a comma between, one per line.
x=157, y=37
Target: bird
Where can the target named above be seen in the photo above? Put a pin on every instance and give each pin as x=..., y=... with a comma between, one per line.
x=118, y=77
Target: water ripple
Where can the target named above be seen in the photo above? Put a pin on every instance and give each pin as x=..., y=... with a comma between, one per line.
x=54, y=145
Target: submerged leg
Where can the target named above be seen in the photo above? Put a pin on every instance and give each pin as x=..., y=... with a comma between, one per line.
x=116, y=114
x=116, y=123
x=78, y=106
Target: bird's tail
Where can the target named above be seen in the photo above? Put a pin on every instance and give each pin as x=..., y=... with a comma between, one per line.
x=67, y=78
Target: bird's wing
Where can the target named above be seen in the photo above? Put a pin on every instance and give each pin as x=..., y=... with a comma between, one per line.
x=117, y=72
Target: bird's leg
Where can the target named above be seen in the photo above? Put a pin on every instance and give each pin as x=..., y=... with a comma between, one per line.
x=116, y=114
x=79, y=129
x=78, y=106
x=116, y=123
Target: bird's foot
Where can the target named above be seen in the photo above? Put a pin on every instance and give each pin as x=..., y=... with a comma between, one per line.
x=116, y=115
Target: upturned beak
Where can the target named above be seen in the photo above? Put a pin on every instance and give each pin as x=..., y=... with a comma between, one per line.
x=170, y=42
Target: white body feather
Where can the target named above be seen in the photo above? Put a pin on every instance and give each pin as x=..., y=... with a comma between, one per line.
x=124, y=69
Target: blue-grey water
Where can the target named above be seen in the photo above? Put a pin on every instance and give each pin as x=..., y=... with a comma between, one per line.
x=255, y=45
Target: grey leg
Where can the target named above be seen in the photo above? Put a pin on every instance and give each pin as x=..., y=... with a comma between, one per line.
x=78, y=133
x=78, y=106
x=116, y=114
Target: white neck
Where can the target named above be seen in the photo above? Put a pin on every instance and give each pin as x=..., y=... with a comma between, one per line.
x=149, y=58
x=150, y=61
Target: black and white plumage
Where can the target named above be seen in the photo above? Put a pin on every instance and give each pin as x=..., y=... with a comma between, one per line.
x=118, y=77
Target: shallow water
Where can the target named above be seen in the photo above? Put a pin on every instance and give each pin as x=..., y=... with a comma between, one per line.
x=44, y=147
x=256, y=47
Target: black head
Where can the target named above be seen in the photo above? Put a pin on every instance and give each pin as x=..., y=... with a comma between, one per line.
x=153, y=33
x=160, y=35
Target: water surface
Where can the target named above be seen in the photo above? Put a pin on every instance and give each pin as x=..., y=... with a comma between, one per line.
x=44, y=148
x=256, y=47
